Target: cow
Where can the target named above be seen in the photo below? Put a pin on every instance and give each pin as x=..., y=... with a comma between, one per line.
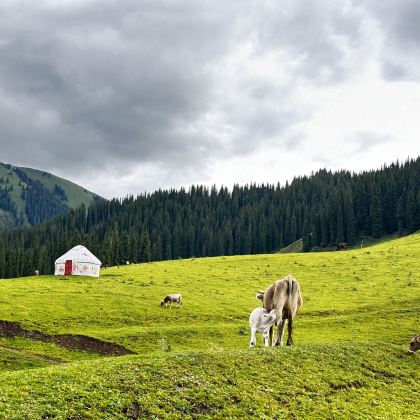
x=261, y=321
x=414, y=344
x=172, y=298
x=284, y=296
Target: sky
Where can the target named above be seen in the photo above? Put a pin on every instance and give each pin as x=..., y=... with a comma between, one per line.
x=128, y=96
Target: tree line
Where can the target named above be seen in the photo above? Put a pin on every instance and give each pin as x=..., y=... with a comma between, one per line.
x=324, y=209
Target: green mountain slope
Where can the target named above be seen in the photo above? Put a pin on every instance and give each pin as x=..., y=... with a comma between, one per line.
x=361, y=307
x=29, y=196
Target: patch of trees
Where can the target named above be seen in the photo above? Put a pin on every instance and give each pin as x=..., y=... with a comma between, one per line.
x=40, y=204
x=324, y=209
x=60, y=193
x=6, y=202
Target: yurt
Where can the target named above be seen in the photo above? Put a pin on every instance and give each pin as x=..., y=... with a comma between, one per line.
x=79, y=261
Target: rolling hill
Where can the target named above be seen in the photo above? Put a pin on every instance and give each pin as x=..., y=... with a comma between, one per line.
x=29, y=196
x=360, y=309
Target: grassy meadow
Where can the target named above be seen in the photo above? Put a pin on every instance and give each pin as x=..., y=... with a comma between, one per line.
x=360, y=309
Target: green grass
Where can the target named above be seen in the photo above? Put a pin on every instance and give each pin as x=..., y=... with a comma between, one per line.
x=296, y=246
x=360, y=309
x=320, y=381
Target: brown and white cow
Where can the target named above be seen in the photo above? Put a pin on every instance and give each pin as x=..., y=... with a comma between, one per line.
x=172, y=298
x=414, y=344
x=284, y=296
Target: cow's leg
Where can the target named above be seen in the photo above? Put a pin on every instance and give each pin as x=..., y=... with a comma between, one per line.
x=253, y=341
x=270, y=335
x=280, y=329
x=289, y=332
x=266, y=337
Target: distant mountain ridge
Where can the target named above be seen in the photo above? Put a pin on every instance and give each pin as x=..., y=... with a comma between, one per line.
x=30, y=196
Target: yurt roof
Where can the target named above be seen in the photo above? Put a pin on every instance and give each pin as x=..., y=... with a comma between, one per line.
x=79, y=254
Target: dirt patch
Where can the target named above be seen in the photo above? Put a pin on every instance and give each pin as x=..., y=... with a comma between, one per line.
x=77, y=342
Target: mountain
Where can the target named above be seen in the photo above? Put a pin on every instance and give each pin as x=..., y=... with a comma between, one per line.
x=324, y=209
x=29, y=196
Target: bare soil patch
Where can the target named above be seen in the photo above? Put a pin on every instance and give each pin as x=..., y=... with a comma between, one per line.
x=70, y=341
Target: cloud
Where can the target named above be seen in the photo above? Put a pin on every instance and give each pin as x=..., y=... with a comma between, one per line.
x=119, y=89
x=321, y=37
x=398, y=24
x=132, y=95
x=364, y=141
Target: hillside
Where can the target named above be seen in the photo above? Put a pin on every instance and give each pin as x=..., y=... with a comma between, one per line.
x=323, y=209
x=29, y=196
x=360, y=309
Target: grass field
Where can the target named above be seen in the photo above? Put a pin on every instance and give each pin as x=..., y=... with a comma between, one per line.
x=360, y=309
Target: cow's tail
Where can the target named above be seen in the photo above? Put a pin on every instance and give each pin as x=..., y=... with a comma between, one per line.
x=295, y=298
x=290, y=286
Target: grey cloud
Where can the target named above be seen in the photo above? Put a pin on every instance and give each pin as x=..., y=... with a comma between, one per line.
x=363, y=141
x=109, y=85
x=317, y=34
x=124, y=80
x=399, y=24
x=122, y=77
x=393, y=71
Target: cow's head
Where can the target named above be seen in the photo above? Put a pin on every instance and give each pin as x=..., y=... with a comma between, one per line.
x=269, y=318
x=414, y=344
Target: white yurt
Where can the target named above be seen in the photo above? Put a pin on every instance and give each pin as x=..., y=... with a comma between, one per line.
x=79, y=261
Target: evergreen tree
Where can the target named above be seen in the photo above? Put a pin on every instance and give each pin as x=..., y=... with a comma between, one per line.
x=376, y=214
x=307, y=235
x=350, y=222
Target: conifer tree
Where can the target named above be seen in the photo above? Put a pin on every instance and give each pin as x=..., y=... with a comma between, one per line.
x=307, y=235
x=376, y=214
x=350, y=223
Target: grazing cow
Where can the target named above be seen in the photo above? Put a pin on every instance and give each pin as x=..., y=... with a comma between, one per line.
x=172, y=298
x=261, y=321
x=341, y=246
x=284, y=296
x=414, y=344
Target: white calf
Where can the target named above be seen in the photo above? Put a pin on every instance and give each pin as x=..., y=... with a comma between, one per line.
x=260, y=321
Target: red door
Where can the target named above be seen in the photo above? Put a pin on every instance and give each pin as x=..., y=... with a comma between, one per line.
x=68, y=268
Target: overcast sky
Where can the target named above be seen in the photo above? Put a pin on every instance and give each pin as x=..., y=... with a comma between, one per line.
x=127, y=96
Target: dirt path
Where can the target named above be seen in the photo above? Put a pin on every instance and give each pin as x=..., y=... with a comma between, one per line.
x=70, y=341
